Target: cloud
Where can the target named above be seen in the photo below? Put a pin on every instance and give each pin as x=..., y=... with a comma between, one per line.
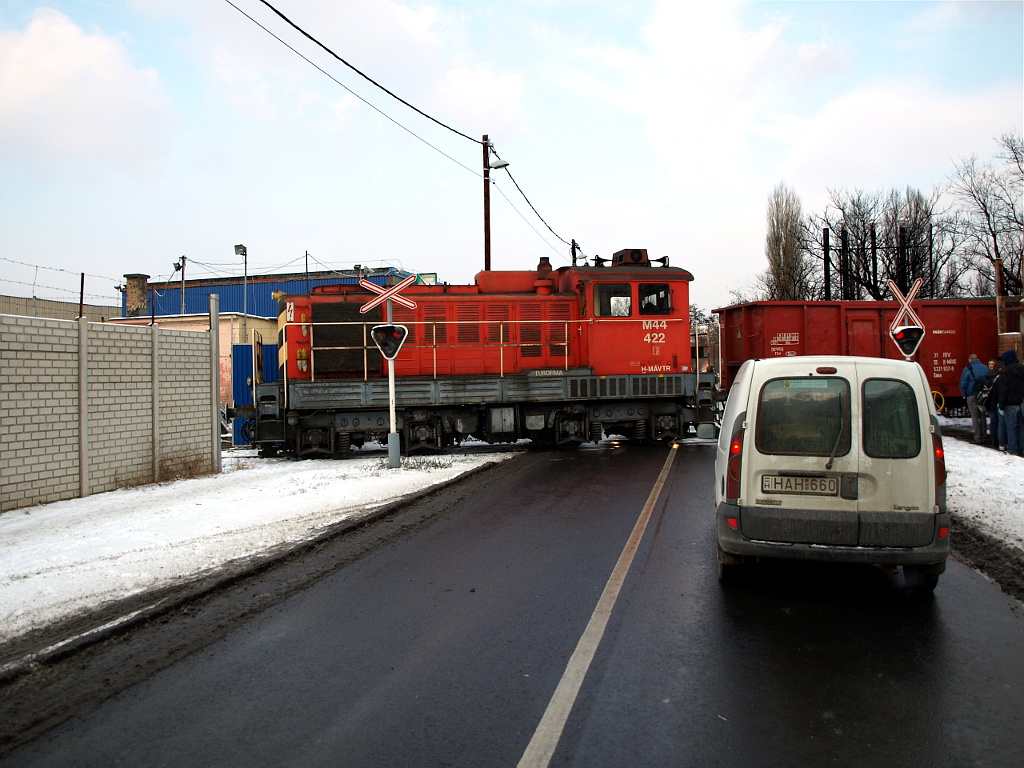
x=474, y=94
x=891, y=133
x=65, y=94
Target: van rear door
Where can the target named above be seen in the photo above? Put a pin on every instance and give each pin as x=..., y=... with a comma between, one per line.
x=896, y=485
x=801, y=486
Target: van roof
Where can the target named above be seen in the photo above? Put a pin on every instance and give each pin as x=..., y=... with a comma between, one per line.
x=804, y=360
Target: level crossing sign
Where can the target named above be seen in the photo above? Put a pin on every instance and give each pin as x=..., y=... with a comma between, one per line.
x=906, y=329
x=389, y=339
x=387, y=294
x=906, y=315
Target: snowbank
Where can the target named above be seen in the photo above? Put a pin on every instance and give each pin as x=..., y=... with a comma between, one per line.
x=61, y=558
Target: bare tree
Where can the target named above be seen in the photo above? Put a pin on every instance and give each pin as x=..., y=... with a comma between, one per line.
x=789, y=270
x=899, y=235
x=992, y=225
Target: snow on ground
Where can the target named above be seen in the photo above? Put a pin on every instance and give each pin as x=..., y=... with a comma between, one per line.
x=985, y=487
x=63, y=558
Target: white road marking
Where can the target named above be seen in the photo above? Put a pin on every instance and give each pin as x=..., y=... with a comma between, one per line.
x=545, y=739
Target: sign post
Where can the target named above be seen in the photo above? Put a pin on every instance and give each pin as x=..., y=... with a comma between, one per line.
x=389, y=339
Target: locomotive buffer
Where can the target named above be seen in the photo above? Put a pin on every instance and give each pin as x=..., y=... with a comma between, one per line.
x=389, y=339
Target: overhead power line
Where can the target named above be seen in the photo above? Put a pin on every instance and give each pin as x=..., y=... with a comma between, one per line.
x=541, y=236
x=363, y=75
x=56, y=269
x=366, y=77
x=52, y=288
x=528, y=201
x=379, y=111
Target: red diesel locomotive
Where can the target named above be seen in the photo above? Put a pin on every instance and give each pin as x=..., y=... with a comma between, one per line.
x=557, y=356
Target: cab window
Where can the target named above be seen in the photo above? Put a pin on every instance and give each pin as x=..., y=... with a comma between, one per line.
x=613, y=300
x=891, y=426
x=655, y=299
x=807, y=416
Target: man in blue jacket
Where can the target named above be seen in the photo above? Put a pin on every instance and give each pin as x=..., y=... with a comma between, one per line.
x=971, y=379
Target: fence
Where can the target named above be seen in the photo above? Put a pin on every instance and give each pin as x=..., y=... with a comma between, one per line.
x=89, y=407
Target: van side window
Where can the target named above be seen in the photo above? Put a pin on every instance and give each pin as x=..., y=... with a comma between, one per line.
x=612, y=300
x=804, y=416
x=891, y=426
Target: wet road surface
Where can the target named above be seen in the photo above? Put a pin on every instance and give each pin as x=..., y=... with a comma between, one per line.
x=444, y=644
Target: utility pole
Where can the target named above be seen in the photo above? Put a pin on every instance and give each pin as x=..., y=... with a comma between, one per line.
x=179, y=266
x=845, y=268
x=874, y=261
x=487, y=204
x=828, y=265
x=241, y=250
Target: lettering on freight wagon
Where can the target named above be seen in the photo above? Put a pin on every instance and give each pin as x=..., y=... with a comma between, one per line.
x=943, y=362
x=785, y=338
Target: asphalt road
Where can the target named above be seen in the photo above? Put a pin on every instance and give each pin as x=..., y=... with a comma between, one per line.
x=439, y=636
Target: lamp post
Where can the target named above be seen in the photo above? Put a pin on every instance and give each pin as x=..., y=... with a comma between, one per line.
x=241, y=251
x=180, y=265
x=488, y=165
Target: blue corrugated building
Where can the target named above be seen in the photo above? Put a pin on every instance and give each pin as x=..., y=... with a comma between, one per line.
x=166, y=297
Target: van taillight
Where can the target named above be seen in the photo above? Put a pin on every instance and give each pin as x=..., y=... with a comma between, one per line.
x=732, y=472
x=940, y=460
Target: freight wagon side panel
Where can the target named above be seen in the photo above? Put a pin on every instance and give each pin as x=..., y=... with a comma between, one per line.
x=954, y=329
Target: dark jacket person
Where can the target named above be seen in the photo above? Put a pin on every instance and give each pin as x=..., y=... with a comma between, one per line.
x=1009, y=393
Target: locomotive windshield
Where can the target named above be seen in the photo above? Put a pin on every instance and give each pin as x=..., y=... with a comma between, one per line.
x=655, y=299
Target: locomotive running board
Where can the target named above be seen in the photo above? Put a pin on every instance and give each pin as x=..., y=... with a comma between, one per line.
x=518, y=388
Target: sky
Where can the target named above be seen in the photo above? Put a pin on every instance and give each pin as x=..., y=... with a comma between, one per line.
x=67, y=557
x=134, y=132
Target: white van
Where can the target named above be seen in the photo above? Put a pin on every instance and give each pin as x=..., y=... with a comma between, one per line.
x=832, y=458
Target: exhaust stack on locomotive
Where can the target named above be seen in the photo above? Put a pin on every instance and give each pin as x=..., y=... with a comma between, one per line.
x=559, y=356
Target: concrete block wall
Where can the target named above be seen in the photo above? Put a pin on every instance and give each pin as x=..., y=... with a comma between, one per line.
x=38, y=411
x=41, y=441
x=184, y=411
x=120, y=407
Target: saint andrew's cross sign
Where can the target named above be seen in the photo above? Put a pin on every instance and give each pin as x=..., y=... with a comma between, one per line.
x=387, y=294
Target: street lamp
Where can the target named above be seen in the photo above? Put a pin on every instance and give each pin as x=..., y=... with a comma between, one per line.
x=488, y=165
x=241, y=251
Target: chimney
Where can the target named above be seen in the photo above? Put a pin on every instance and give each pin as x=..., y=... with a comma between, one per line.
x=544, y=265
x=136, y=295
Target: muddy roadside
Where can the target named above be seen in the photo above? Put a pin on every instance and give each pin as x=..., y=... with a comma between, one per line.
x=1000, y=561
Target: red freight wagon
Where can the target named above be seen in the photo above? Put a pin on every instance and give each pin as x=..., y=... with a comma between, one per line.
x=954, y=328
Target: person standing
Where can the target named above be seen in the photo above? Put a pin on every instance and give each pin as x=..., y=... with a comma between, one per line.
x=997, y=437
x=1009, y=396
x=971, y=379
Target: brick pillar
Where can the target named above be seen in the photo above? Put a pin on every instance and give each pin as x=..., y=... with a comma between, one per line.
x=136, y=295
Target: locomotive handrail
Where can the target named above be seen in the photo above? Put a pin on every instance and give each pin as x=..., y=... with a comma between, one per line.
x=501, y=344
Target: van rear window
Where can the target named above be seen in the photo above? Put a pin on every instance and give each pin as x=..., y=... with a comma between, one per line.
x=804, y=416
x=891, y=426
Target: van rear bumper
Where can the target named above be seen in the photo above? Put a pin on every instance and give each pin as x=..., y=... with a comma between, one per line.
x=930, y=550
